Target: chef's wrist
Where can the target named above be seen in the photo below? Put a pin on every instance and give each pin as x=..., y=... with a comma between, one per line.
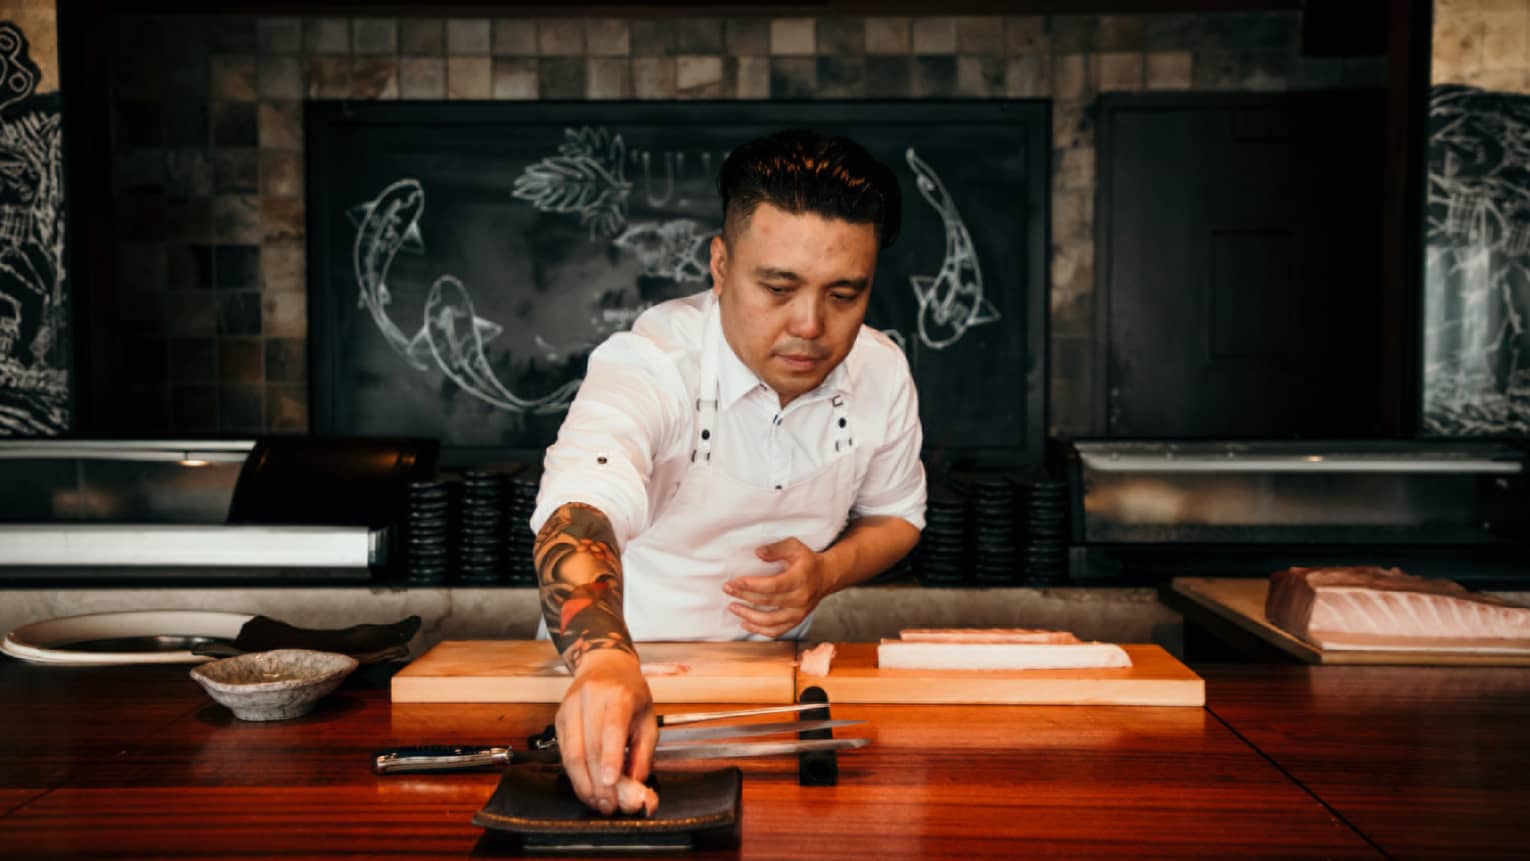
x=834, y=571
x=598, y=660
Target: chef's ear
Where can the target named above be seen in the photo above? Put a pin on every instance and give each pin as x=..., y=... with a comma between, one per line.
x=719, y=263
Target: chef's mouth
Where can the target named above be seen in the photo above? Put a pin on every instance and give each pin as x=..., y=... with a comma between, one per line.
x=800, y=361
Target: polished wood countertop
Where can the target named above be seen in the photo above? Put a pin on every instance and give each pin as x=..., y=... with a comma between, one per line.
x=1334, y=762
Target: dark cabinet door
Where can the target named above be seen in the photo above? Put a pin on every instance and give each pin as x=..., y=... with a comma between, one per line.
x=1240, y=241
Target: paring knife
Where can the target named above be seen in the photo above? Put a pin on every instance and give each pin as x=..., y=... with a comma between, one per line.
x=438, y=758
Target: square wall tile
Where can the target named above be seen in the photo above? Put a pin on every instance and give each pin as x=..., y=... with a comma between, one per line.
x=746, y=36
x=790, y=36
x=516, y=78
x=326, y=36
x=468, y=37
x=698, y=35
x=279, y=35
x=422, y=77
x=239, y=312
x=469, y=77
x=934, y=35
x=514, y=37
x=422, y=37
x=375, y=35
x=560, y=37
x=560, y=78
x=607, y=37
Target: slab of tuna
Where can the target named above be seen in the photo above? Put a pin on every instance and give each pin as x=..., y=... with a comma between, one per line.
x=1382, y=608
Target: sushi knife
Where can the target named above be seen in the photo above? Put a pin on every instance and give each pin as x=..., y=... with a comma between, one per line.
x=445, y=758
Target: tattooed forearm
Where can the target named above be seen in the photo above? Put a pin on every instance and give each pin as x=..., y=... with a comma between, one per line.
x=579, y=573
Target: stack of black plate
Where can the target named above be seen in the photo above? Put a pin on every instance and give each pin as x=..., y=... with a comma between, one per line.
x=1046, y=532
x=480, y=528
x=519, y=538
x=993, y=508
x=940, y=558
x=425, y=533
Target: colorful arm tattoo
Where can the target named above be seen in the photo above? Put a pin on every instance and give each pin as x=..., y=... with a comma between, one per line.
x=579, y=573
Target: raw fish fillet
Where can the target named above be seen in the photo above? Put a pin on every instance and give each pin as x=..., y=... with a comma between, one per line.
x=815, y=661
x=916, y=655
x=985, y=635
x=1361, y=606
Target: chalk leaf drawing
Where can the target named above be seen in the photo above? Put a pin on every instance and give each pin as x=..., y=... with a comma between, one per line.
x=950, y=301
x=585, y=177
x=676, y=250
x=452, y=336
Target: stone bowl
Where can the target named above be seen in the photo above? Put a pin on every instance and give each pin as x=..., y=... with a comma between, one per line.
x=274, y=685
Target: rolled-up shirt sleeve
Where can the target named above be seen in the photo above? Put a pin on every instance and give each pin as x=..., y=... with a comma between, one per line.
x=623, y=416
x=894, y=483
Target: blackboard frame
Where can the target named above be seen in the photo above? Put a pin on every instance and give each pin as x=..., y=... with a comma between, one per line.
x=1031, y=117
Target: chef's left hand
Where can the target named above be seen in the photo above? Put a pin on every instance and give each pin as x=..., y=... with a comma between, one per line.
x=774, y=604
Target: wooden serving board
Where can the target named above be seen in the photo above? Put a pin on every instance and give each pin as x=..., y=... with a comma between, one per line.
x=1240, y=600
x=1155, y=678
x=529, y=671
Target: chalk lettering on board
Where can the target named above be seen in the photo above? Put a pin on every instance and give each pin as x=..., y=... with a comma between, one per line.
x=951, y=301
x=585, y=177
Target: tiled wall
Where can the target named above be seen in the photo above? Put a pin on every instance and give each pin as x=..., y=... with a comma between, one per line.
x=1485, y=43
x=208, y=149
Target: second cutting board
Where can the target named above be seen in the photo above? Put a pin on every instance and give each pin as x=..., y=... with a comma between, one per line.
x=1155, y=678
x=529, y=671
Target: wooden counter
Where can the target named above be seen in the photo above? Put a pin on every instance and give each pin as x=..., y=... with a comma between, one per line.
x=138, y=763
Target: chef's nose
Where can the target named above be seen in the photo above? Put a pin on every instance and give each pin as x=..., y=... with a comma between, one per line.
x=807, y=318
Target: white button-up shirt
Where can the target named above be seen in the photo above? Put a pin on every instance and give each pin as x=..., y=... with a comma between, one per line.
x=629, y=434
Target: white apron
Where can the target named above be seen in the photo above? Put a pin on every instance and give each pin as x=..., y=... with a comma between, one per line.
x=674, y=571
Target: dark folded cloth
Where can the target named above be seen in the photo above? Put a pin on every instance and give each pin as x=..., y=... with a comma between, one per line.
x=537, y=807
x=368, y=644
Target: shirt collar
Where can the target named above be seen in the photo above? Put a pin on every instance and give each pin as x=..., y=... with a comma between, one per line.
x=735, y=379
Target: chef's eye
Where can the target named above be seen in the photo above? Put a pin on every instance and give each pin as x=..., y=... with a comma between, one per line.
x=778, y=291
x=846, y=298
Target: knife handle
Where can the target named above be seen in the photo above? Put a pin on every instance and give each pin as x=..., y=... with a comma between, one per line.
x=438, y=758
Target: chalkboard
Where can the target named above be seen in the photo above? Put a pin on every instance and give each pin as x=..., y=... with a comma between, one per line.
x=1477, y=264
x=465, y=258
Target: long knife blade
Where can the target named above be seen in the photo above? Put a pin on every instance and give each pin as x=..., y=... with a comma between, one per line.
x=698, y=717
x=755, y=748
x=746, y=730
x=444, y=758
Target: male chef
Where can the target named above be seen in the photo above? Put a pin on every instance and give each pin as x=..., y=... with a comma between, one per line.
x=737, y=456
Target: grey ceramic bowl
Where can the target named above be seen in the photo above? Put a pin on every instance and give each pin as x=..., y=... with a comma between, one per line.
x=275, y=685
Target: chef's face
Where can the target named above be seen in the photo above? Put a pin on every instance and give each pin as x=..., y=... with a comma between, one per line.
x=792, y=290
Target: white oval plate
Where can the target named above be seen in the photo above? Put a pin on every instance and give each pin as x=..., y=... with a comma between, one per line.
x=35, y=642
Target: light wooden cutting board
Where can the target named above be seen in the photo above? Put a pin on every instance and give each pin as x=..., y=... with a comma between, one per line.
x=529, y=671
x=1155, y=678
x=1241, y=601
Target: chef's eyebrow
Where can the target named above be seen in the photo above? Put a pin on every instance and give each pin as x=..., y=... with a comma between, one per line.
x=772, y=273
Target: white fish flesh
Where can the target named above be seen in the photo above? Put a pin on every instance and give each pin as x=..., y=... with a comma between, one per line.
x=1390, y=609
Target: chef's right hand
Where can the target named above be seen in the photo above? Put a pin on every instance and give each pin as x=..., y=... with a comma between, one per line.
x=606, y=727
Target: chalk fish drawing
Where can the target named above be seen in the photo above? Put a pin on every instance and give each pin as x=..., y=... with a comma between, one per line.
x=676, y=249
x=585, y=177
x=452, y=336
x=951, y=301
x=456, y=335
x=388, y=223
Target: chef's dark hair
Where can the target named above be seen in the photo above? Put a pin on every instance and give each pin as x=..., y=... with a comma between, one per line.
x=800, y=171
